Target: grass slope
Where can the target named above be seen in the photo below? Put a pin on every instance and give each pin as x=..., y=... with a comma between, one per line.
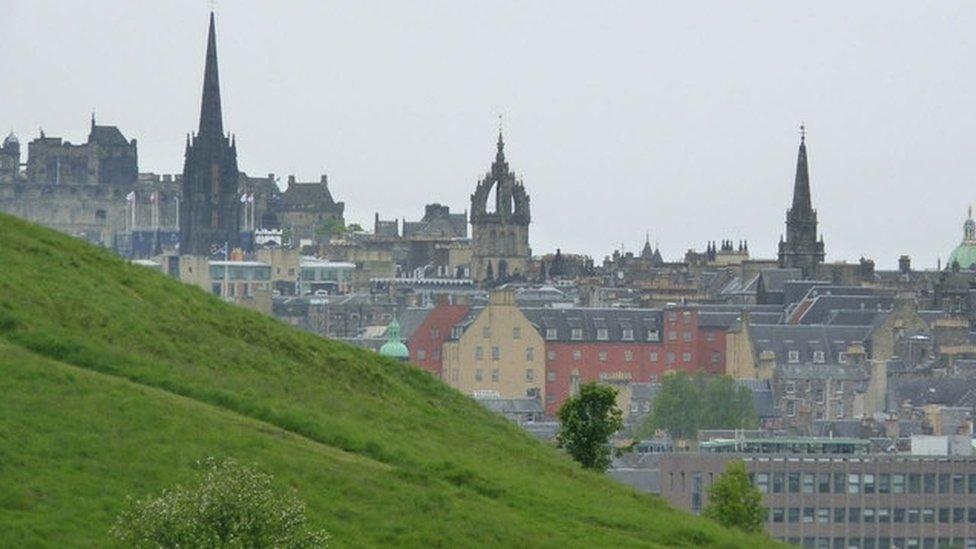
x=116, y=380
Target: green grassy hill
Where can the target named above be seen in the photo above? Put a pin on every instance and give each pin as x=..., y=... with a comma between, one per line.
x=116, y=380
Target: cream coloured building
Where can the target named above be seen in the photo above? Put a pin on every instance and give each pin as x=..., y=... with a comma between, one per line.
x=498, y=354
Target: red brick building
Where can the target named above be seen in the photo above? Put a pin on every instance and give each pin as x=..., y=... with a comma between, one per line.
x=638, y=345
x=427, y=340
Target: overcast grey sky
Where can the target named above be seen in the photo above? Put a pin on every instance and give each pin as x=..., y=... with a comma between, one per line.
x=676, y=118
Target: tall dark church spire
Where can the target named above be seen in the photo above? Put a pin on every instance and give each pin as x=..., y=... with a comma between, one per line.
x=210, y=217
x=801, y=249
x=211, y=120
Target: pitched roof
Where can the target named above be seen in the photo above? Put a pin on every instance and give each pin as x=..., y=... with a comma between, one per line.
x=805, y=340
x=595, y=324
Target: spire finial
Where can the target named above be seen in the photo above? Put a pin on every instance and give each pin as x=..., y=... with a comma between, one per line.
x=803, y=132
x=970, y=212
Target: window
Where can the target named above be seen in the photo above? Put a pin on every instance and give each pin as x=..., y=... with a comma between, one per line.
x=479, y=352
x=421, y=354
x=672, y=316
x=823, y=516
x=672, y=336
x=627, y=334
x=653, y=356
x=914, y=483
x=576, y=334
x=854, y=515
x=551, y=376
x=602, y=334
x=577, y=355
x=486, y=332
x=839, y=410
x=495, y=375
x=823, y=483
x=670, y=357
x=793, y=514
x=686, y=336
x=867, y=515
x=898, y=515
x=867, y=486
x=686, y=317
x=842, y=357
x=928, y=515
x=853, y=484
x=709, y=336
x=628, y=356
x=529, y=354
x=603, y=356
x=551, y=334
x=818, y=357
x=779, y=481
x=777, y=514
x=794, y=357
x=516, y=333
x=839, y=487
x=807, y=479
x=762, y=482
x=958, y=484
x=529, y=374
x=496, y=353
x=716, y=357
x=944, y=515
x=808, y=515
x=897, y=484
x=653, y=335
x=929, y=483
x=790, y=387
x=913, y=516
x=884, y=516
x=884, y=483
x=793, y=484
x=479, y=374
x=551, y=354
x=944, y=483
x=686, y=357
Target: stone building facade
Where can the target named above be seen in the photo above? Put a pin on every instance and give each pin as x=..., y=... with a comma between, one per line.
x=500, y=237
x=106, y=158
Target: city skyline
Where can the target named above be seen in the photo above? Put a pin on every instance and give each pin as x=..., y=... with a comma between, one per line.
x=683, y=177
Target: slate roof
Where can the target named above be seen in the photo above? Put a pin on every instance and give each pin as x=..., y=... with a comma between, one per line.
x=590, y=321
x=822, y=306
x=848, y=372
x=106, y=135
x=774, y=280
x=411, y=319
x=795, y=290
x=806, y=339
x=299, y=196
x=763, y=401
x=953, y=391
x=855, y=317
x=508, y=406
x=453, y=225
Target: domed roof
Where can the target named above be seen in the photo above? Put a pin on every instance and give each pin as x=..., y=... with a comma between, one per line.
x=394, y=348
x=11, y=140
x=965, y=252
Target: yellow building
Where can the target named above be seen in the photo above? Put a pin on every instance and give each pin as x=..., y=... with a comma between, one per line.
x=499, y=354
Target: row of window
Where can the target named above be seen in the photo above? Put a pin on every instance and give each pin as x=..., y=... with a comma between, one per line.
x=871, y=515
x=670, y=357
x=496, y=353
x=866, y=483
x=603, y=334
x=881, y=543
x=496, y=376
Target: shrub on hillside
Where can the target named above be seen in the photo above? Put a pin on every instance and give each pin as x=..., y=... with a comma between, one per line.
x=229, y=506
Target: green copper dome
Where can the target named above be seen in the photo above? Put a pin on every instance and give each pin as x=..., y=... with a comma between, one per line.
x=965, y=253
x=394, y=348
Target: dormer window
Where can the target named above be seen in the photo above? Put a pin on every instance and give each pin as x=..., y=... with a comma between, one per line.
x=627, y=334
x=602, y=334
x=551, y=334
x=818, y=357
x=793, y=357
x=576, y=334
x=653, y=335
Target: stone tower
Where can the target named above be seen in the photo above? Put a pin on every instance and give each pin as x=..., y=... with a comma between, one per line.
x=500, y=249
x=210, y=215
x=801, y=249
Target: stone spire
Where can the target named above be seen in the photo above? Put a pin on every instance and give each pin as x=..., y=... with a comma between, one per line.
x=211, y=121
x=801, y=185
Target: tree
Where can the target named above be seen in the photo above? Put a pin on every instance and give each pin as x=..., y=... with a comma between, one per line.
x=688, y=403
x=354, y=228
x=734, y=502
x=588, y=420
x=230, y=505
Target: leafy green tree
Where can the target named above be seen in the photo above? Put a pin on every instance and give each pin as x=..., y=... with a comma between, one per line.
x=734, y=502
x=688, y=403
x=329, y=227
x=354, y=228
x=588, y=420
x=230, y=505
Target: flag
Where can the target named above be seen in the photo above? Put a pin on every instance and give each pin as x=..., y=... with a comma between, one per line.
x=131, y=197
x=250, y=198
x=243, y=198
x=152, y=196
